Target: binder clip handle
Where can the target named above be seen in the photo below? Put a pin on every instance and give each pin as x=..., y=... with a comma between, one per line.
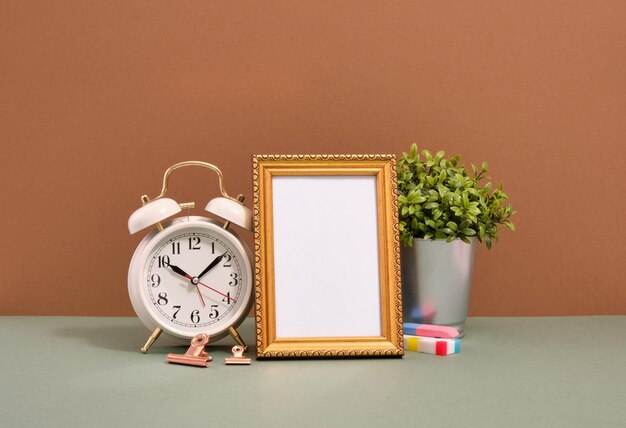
x=195, y=355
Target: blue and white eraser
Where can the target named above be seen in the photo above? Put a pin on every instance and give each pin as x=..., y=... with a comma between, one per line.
x=432, y=345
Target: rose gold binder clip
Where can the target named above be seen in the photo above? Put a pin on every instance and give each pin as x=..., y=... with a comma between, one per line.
x=195, y=355
x=238, y=357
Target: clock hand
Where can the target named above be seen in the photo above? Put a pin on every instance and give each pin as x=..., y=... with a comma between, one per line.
x=200, y=294
x=180, y=272
x=193, y=280
x=218, y=292
x=212, y=265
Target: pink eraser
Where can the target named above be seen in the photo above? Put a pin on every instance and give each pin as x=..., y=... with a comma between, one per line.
x=429, y=330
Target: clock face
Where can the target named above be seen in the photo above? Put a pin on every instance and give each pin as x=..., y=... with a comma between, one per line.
x=195, y=278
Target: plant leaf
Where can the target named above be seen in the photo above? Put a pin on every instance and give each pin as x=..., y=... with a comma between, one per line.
x=468, y=231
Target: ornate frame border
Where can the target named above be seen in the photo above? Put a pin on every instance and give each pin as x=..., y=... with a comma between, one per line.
x=383, y=166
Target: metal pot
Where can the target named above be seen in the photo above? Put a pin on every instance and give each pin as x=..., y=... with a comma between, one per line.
x=436, y=282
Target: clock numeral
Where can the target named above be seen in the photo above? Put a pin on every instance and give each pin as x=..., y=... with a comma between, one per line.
x=162, y=299
x=195, y=316
x=177, y=307
x=164, y=261
x=212, y=247
x=235, y=280
x=227, y=260
x=214, y=313
x=227, y=299
x=194, y=242
x=155, y=280
x=175, y=247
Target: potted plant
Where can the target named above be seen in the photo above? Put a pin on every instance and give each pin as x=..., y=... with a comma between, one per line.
x=444, y=211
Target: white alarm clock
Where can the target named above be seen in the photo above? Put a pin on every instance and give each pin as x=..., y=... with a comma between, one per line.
x=191, y=274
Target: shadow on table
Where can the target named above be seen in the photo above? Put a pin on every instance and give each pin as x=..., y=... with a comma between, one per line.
x=125, y=338
x=118, y=338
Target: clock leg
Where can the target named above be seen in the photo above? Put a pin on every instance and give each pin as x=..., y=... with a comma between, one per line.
x=237, y=337
x=153, y=337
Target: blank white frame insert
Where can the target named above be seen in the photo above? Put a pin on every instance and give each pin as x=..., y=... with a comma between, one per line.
x=326, y=256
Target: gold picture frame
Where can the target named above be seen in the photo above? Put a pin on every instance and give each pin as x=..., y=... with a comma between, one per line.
x=297, y=316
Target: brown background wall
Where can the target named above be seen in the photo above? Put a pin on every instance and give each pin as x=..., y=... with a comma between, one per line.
x=98, y=98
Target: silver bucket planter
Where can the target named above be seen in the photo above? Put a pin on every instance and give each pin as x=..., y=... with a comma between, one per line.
x=436, y=282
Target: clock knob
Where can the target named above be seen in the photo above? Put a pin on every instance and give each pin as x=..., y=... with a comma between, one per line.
x=231, y=211
x=152, y=213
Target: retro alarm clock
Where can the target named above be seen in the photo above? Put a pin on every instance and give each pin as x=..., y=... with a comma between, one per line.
x=191, y=274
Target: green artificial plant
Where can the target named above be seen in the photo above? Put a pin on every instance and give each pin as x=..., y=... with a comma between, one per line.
x=439, y=199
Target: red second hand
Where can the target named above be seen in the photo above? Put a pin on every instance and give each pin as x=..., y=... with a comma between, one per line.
x=222, y=294
x=210, y=288
x=200, y=294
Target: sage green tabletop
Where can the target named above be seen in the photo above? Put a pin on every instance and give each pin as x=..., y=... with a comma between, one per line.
x=511, y=372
